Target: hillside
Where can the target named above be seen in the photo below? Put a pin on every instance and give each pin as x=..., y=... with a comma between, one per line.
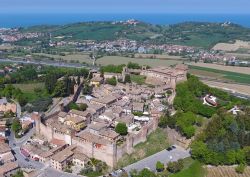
x=190, y=33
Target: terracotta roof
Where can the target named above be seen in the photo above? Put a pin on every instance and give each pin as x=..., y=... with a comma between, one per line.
x=64, y=154
x=109, y=133
x=7, y=167
x=80, y=156
x=90, y=137
x=62, y=114
x=57, y=142
x=4, y=148
x=75, y=119
x=80, y=113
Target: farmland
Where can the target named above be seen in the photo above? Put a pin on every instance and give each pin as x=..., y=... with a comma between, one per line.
x=226, y=171
x=81, y=57
x=236, y=69
x=243, y=89
x=117, y=60
x=232, y=47
x=221, y=74
x=158, y=56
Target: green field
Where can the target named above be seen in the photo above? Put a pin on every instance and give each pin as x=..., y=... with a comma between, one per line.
x=29, y=87
x=192, y=168
x=156, y=142
x=138, y=79
x=81, y=57
x=227, y=75
x=28, y=90
x=117, y=60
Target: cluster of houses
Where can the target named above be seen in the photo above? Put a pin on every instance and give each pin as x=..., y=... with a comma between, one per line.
x=13, y=34
x=73, y=136
x=4, y=71
x=8, y=165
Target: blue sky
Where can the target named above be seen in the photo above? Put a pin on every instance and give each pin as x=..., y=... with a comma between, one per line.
x=125, y=6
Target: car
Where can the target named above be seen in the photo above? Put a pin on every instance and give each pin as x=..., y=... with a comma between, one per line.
x=173, y=147
x=169, y=149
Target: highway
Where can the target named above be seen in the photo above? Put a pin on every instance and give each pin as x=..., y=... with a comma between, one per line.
x=49, y=63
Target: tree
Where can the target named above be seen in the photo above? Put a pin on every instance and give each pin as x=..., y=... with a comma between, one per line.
x=127, y=79
x=50, y=82
x=143, y=173
x=60, y=89
x=16, y=126
x=111, y=81
x=159, y=166
x=133, y=65
x=121, y=128
x=175, y=167
x=83, y=106
x=240, y=168
x=19, y=173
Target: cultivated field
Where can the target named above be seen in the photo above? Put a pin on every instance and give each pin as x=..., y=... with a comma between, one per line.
x=219, y=75
x=158, y=56
x=226, y=171
x=81, y=57
x=232, y=47
x=244, y=89
x=116, y=60
x=236, y=69
x=245, y=56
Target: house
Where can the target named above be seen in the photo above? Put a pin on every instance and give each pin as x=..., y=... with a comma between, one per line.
x=138, y=107
x=76, y=122
x=210, y=100
x=96, y=109
x=6, y=155
x=106, y=101
x=80, y=159
x=60, y=160
x=9, y=169
x=6, y=106
x=96, y=81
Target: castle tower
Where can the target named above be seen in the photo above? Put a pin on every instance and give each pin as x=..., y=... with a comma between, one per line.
x=37, y=118
x=124, y=73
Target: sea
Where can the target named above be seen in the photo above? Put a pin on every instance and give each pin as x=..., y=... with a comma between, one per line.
x=32, y=19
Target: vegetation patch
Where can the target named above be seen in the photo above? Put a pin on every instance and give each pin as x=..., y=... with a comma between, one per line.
x=156, y=142
x=233, y=76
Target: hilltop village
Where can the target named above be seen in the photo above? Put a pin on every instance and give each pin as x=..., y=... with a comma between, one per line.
x=93, y=133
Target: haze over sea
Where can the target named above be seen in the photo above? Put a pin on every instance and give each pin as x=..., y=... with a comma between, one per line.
x=29, y=19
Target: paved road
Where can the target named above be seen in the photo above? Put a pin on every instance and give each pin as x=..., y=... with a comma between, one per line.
x=163, y=156
x=43, y=170
x=15, y=145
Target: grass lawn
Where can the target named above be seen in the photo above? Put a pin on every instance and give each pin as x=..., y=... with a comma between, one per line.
x=192, y=168
x=156, y=142
x=28, y=90
x=233, y=76
x=138, y=79
x=29, y=87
